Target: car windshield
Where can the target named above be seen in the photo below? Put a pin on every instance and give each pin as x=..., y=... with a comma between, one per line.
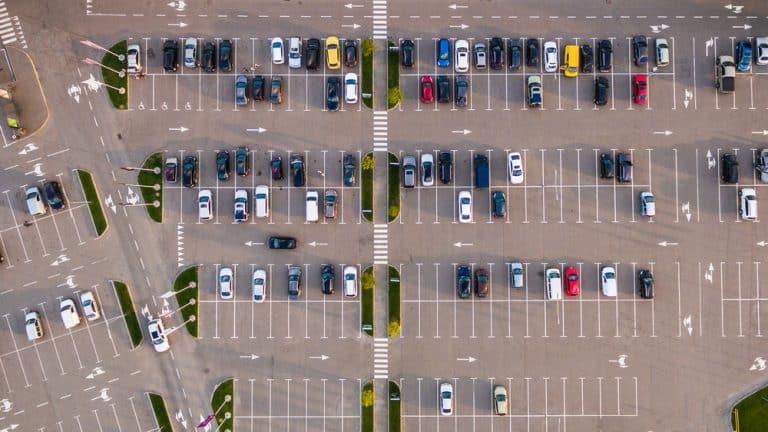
x=554, y=275
x=517, y=271
x=573, y=277
x=258, y=281
x=225, y=278
x=500, y=398
x=349, y=277
x=445, y=395
x=276, y=163
x=465, y=201
x=87, y=303
x=428, y=169
x=649, y=199
x=276, y=44
x=482, y=279
x=610, y=275
x=204, y=199
x=444, y=52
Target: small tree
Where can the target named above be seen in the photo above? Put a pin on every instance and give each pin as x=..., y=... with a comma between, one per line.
x=366, y=399
x=368, y=47
x=367, y=162
x=368, y=280
x=393, y=329
x=394, y=96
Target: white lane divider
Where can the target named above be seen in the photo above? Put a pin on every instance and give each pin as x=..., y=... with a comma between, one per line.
x=380, y=358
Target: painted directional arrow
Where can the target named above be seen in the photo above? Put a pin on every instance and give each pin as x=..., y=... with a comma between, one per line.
x=734, y=8
x=28, y=149
x=462, y=26
x=744, y=26
x=9, y=428
x=320, y=357
x=179, y=24
x=666, y=243
x=664, y=132
x=249, y=356
x=350, y=6
x=96, y=372
x=314, y=244
x=468, y=359
x=354, y=26
x=259, y=130
x=762, y=243
x=253, y=243
x=455, y=6
x=762, y=132
x=711, y=161
x=460, y=244
x=462, y=131
x=179, y=129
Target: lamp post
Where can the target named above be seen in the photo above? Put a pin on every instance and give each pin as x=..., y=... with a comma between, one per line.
x=154, y=203
x=94, y=84
x=169, y=294
x=92, y=62
x=155, y=170
x=99, y=47
x=173, y=329
x=155, y=186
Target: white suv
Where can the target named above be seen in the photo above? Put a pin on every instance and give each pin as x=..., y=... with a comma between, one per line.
x=190, y=53
x=205, y=205
x=550, y=56
x=461, y=62
x=748, y=200
x=608, y=281
x=446, y=399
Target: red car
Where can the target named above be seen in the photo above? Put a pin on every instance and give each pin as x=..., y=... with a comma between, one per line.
x=571, y=281
x=640, y=89
x=427, y=89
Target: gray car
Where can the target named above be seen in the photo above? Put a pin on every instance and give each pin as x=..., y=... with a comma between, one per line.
x=330, y=203
x=241, y=90
x=294, y=282
x=762, y=165
x=409, y=171
x=516, y=274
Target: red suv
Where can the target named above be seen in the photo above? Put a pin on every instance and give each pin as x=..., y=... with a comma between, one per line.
x=427, y=89
x=640, y=89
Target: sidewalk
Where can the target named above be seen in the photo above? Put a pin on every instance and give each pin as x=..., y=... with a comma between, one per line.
x=28, y=96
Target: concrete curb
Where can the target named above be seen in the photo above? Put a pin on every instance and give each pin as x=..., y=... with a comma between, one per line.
x=32, y=133
x=98, y=195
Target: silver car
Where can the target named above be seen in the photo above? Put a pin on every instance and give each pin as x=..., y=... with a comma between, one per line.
x=409, y=171
x=241, y=90
x=762, y=165
x=516, y=274
x=330, y=203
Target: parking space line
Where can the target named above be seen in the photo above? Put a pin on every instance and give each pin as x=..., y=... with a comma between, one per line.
x=490, y=187
x=18, y=353
x=629, y=71
x=674, y=75
x=578, y=184
x=613, y=157
x=437, y=300
x=472, y=303
x=527, y=282
x=490, y=297
x=69, y=210
x=556, y=75
x=597, y=297
x=714, y=67
x=632, y=183
x=418, y=297
x=634, y=299
x=106, y=320
x=117, y=420
x=16, y=224
x=53, y=337
x=578, y=108
x=738, y=278
x=543, y=190
x=234, y=296
x=581, y=306
x=135, y=415
x=455, y=294
x=523, y=62
x=216, y=301
x=613, y=88
x=733, y=54
x=560, y=178
x=267, y=295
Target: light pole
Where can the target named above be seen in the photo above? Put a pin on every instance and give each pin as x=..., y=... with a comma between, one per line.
x=191, y=302
x=173, y=329
x=155, y=170
x=155, y=186
x=94, y=85
x=169, y=294
x=154, y=203
x=92, y=62
x=227, y=414
x=97, y=46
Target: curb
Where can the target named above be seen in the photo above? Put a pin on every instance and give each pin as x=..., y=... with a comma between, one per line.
x=31, y=134
x=98, y=195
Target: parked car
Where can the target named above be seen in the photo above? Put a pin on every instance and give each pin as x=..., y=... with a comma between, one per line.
x=514, y=54
x=278, y=56
x=623, y=167
x=532, y=52
x=257, y=88
x=350, y=88
x=171, y=169
x=535, y=94
x=640, y=89
x=33, y=326
x=443, y=89
x=225, y=283
x=445, y=160
x=277, y=242
x=499, y=204
x=762, y=165
x=225, y=55
x=330, y=203
x=481, y=56
x=350, y=281
x=312, y=206
x=608, y=281
x=276, y=167
x=515, y=167
x=602, y=87
x=640, y=50
x=662, y=52
x=69, y=314
x=259, y=285
x=482, y=286
x=554, y=284
x=222, y=165
x=725, y=74
x=327, y=277
x=261, y=201
x=570, y=65
x=445, y=394
x=190, y=53
x=350, y=169
x=496, y=53
x=297, y=170
x=427, y=89
x=761, y=51
x=208, y=58
x=516, y=274
x=427, y=169
x=550, y=56
x=157, y=335
x=332, y=90
x=647, y=204
x=241, y=161
x=294, y=52
x=189, y=171
x=276, y=90
x=350, y=53
x=170, y=55
x=461, y=61
x=294, y=282
x=332, y=53
x=748, y=203
x=645, y=285
x=743, y=55
x=205, y=205
x=606, y=166
x=409, y=171
x=443, y=53
x=587, y=58
x=35, y=202
x=133, y=59
x=463, y=281
x=571, y=281
x=312, y=54
x=406, y=52
x=89, y=305
x=482, y=171
x=500, y=402
x=462, y=89
x=54, y=195
x=729, y=168
x=241, y=205
x=604, y=56
x=465, y=206
x=241, y=90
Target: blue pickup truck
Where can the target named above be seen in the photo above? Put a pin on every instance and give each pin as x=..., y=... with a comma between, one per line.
x=482, y=174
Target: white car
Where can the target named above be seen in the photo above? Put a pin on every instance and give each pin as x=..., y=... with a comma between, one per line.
x=225, y=283
x=550, y=56
x=761, y=50
x=427, y=169
x=241, y=205
x=33, y=326
x=259, y=285
x=465, y=207
x=461, y=62
x=350, y=281
x=261, y=199
x=350, y=88
x=190, y=53
x=608, y=281
x=205, y=205
x=277, y=51
x=90, y=308
x=35, y=203
x=133, y=59
x=157, y=335
x=515, y=162
x=294, y=52
x=445, y=395
x=647, y=204
x=554, y=284
x=748, y=201
x=69, y=313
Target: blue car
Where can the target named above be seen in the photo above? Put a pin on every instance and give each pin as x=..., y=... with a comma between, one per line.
x=444, y=53
x=744, y=55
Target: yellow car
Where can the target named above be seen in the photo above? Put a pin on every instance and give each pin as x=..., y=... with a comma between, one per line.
x=332, y=52
x=570, y=65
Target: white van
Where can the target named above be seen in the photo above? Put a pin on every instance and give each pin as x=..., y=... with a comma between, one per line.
x=554, y=284
x=312, y=206
x=350, y=281
x=35, y=203
x=294, y=52
x=69, y=314
x=748, y=207
x=205, y=205
x=33, y=326
x=261, y=198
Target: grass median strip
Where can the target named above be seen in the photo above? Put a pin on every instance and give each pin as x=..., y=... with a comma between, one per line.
x=186, y=289
x=223, y=405
x=751, y=414
x=129, y=313
x=394, y=302
x=367, y=281
x=366, y=167
x=366, y=408
x=393, y=191
x=161, y=412
x=394, y=407
x=149, y=192
x=366, y=85
x=114, y=80
x=94, y=202
x=393, y=75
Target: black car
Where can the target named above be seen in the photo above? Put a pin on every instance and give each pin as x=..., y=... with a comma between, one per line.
x=297, y=170
x=208, y=60
x=225, y=55
x=332, y=89
x=241, y=161
x=443, y=89
x=463, y=281
x=276, y=166
x=640, y=50
x=257, y=88
x=189, y=171
x=496, y=53
x=406, y=53
x=171, y=170
x=624, y=167
x=171, y=55
x=499, y=202
x=586, y=58
x=604, y=55
x=277, y=242
x=514, y=54
x=327, y=275
x=222, y=165
x=276, y=90
x=312, y=54
x=461, y=90
x=445, y=161
x=646, y=283
x=729, y=171
x=606, y=166
x=350, y=169
x=53, y=194
x=602, y=86
x=532, y=52
x=350, y=53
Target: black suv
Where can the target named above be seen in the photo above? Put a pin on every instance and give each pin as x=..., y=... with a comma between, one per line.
x=350, y=169
x=514, y=54
x=209, y=57
x=313, y=54
x=640, y=50
x=606, y=166
x=406, y=53
x=222, y=165
x=297, y=170
x=171, y=55
x=327, y=275
x=646, y=283
x=463, y=281
x=729, y=168
x=443, y=89
x=350, y=53
x=586, y=58
x=225, y=55
x=257, y=88
x=532, y=52
x=602, y=85
x=53, y=194
x=623, y=167
x=189, y=171
x=445, y=159
x=604, y=55
x=496, y=53
x=276, y=242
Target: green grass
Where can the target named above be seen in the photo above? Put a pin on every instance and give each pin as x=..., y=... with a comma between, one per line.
x=119, y=101
x=94, y=202
x=394, y=407
x=366, y=181
x=393, y=76
x=752, y=413
x=366, y=85
x=148, y=178
x=221, y=407
x=366, y=408
x=393, y=192
x=161, y=413
x=367, y=281
x=183, y=280
x=394, y=302
x=129, y=313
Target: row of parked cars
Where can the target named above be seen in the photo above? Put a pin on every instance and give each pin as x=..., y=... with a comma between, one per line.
x=70, y=315
x=261, y=204
x=189, y=168
x=729, y=174
x=257, y=90
x=259, y=283
x=38, y=201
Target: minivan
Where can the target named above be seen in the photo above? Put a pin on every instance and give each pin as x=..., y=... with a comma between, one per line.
x=312, y=206
x=350, y=281
x=554, y=284
x=570, y=65
x=261, y=198
x=748, y=203
x=729, y=168
x=33, y=326
x=69, y=314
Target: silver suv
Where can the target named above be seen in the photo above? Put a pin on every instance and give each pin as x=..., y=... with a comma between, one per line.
x=409, y=171
x=294, y=282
